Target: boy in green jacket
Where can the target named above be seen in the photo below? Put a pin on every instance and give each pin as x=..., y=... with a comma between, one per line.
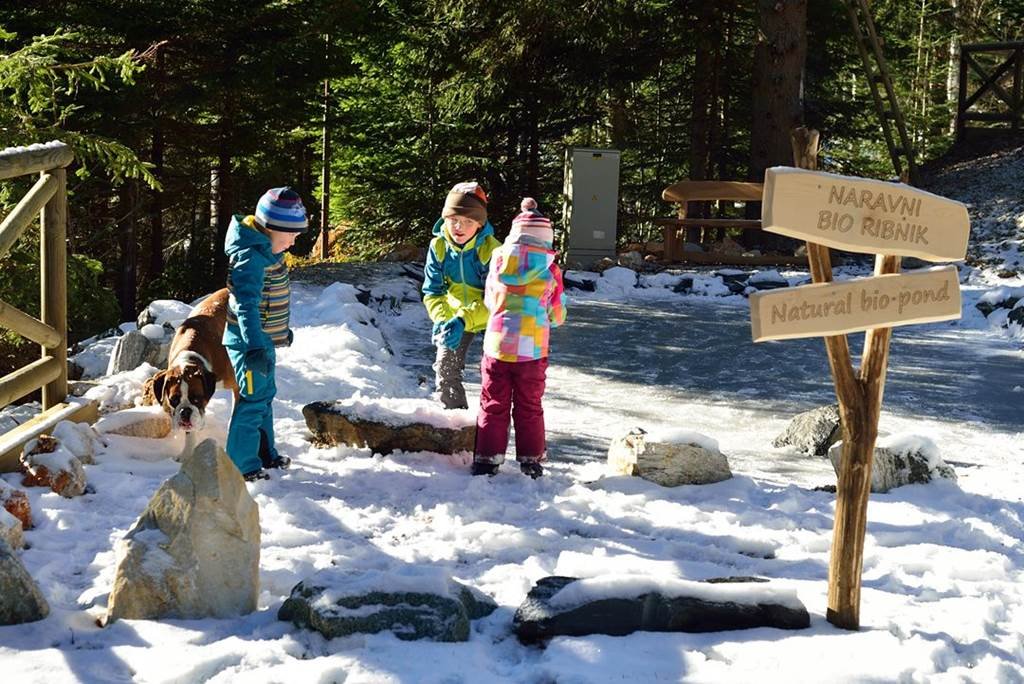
x=453, y=285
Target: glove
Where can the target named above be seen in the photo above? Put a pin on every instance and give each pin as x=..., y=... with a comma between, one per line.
x=258, y=361
x=437, y=332
x=291, y=337
x=452, y=331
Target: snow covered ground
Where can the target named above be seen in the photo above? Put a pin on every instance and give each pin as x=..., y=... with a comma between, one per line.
x=943, y=596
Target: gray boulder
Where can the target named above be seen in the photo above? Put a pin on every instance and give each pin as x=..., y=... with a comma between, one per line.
x=632, y=260
x=812, y=432
x=339, y=603
x=895, y=463
x=133, y=349
x=335, y=423
x=539, y=619
x=195, y=550
x=20, y=598
x=668, y=463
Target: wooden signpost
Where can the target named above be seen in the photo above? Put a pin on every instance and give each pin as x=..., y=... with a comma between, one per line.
x=887, y=219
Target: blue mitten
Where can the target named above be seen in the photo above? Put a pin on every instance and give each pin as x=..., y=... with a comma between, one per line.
x=437, y=333
x=257, y=360
x=453, y=329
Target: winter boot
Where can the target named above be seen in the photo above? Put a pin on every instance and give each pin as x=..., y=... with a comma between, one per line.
x=269, y=456
x=258, y=474
x=484, y=468
x=532, y=468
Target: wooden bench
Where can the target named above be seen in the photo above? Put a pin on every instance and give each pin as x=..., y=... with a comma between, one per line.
x=683, y=193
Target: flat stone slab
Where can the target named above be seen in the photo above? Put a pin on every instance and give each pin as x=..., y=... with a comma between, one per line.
x=568, y=606
x=421, y=604
x=384, y=431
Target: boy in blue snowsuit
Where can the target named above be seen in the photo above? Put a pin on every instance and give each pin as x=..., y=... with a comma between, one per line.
x=258, y=322
x=453, y=285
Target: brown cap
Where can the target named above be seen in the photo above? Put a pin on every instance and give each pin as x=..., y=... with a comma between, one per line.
x=468, y=200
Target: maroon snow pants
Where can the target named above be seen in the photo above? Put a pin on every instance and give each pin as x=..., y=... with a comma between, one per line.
x=511, y=390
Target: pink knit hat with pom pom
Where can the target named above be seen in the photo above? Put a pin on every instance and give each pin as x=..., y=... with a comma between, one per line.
x=531, y=222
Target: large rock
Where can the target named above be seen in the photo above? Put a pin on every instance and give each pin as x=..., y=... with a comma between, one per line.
x=132, y=350
x=11, y=530
x=20, y=598
x=901, y=460
x=419, y=605
x=142, y=421
x=48, y=463
x=337, y=423
x=712, y=606
x=15, y=502
x=812, y=432
x=671, y=460
x=195, y=550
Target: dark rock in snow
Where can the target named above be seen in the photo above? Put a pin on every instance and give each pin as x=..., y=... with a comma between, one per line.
x=1016, y=316
x=330, y=423
x=767, y=280
x=574, y=281
x=537, y=620
x=325, y=607
x=684, y=286
x=812, y=432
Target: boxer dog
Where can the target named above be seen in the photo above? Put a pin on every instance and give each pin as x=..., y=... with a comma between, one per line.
x=196, y=364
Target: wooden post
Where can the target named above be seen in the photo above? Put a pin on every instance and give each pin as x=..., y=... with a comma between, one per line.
x=673, y=248
x=860, y=404
x=53, y=264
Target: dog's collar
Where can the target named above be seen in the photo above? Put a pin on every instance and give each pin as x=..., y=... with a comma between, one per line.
x=189, y=357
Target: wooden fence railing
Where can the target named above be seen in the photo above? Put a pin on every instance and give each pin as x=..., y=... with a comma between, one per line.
x=46, y=199
x=1005, y=83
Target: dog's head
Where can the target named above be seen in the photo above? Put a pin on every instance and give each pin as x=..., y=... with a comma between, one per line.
x=184, y=391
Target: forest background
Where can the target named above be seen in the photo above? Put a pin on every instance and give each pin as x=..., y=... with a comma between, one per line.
x=182, y=113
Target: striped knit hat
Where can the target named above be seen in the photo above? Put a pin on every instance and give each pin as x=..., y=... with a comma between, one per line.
x=531, y=222
x=281, y=209
x=468, y=200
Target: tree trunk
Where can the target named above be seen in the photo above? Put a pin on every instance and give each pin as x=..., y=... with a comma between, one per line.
x=778, y=89
x=156, y=219
x=702, y=106
x=127, y=282
x=220, y=213
x=953, y=65
x=156, y=210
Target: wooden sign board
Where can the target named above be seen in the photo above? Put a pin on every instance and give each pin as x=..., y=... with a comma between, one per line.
x=861, y=215
x=838, y=308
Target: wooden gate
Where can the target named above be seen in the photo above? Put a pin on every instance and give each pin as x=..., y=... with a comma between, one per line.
x=48, y=200
x=1005, y=83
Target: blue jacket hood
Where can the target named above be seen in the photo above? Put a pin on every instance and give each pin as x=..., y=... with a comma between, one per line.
x=241, y=236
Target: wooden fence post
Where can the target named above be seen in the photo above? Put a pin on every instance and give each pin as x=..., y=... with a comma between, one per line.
x=53, y=264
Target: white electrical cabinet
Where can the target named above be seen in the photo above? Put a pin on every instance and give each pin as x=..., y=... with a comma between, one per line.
x=591, y=208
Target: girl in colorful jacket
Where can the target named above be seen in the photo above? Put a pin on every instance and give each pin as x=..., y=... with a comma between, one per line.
x=526, y=298
x=453, y=285
x=258, y=312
